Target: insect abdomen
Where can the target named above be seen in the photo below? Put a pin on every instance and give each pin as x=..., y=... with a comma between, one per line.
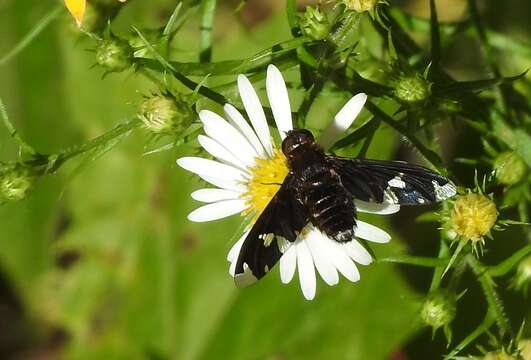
x=330, y=206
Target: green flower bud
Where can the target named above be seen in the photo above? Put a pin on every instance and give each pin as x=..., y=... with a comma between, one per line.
x=139, y=46
x=412, y=89
x=438, y=310
x=15, y=183
x=114, y=54
x=164, y=114
x=522, y=278
x=509, y=168
x=360, y=5
x=314, y=23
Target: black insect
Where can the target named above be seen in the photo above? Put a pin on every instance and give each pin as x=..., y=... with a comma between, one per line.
x=321, y=189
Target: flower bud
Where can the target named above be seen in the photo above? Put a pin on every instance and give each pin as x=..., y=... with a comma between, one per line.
x=498, y=355
x=114, y=54
x=524, y=346
x=164, y=114
x=438, y=310
x=314, y=23
x=15, y=183
x=473, y=216
x=509, y=168
x=522, y=278
x=140, y=49
x=412, y=89
x=360, y=5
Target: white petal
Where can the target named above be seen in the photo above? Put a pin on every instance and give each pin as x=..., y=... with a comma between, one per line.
x=217, y=210
x=374, y=208
x=255, y=112
x=357, y=252
x=342, y=121
x=234, y=252
x=321, y=260
x=233, y=185
x=214, y=195
x=306, y=270
x=338, y=257
x=220, y=152
x=288, y=263
x=238, y=121
x=218, y=129
x=370, y=232
x=232, y=268
x=211, y=169
x=277, y=93
x=235, y=249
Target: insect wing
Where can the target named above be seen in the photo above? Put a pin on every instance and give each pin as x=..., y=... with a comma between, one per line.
x=276, y=228
x=391, y=182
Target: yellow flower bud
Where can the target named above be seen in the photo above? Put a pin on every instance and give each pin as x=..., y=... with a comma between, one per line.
x=473, y=216
x=498, y=355
x=524, y=346
x=360, y=5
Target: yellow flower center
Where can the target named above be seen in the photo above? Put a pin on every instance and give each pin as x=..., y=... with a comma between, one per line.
x=266, y=177
x=473, y=216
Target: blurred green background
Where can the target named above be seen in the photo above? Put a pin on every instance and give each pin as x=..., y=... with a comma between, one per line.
x=101, y=263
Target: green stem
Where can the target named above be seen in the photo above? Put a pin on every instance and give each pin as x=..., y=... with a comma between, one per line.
x=277, y=53
x=34, y=32
x=435, y=37
x=508, y=264
x=414, y=260
x=25, y=147
x=207, y=20
x=493, y=299
x=485, y=325
x=429, y=155
x=444, y=252
x=57, y=160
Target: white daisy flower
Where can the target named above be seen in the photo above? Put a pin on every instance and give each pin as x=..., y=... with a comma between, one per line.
x=248, y=170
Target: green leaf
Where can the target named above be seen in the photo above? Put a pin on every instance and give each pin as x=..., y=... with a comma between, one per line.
x=516, y=139
x=476, y=85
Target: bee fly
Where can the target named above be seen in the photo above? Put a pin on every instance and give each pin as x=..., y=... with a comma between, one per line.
x=320, y=189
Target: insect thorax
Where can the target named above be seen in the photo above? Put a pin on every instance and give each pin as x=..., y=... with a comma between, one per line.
x=329, y=204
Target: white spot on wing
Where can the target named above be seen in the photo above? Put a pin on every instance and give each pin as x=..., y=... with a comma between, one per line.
x=397, y=182
x=246, y=278
x=390, y=197
x=267, y=238
x=283, y=244
x=443, y=192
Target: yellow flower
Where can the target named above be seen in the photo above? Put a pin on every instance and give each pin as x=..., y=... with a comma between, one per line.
x=473, y=216
x=77, y=9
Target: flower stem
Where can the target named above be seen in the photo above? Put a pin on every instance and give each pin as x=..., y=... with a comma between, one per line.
x=24, y=146
x=508, y=264
x=444, y=251
x=415, y=260
x=485, y=325
x=493, y=299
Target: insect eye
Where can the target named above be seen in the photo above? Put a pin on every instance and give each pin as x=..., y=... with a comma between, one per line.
x=295, y=138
